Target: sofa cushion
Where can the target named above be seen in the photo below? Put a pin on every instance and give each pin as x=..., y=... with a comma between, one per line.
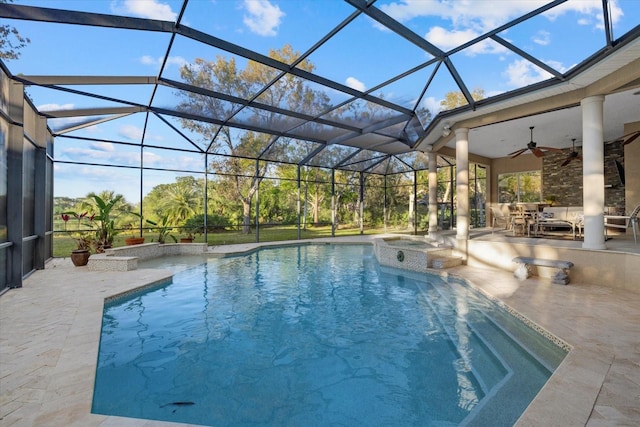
x=556, y=212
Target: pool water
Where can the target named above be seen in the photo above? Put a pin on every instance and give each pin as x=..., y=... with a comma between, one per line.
x=316, y=335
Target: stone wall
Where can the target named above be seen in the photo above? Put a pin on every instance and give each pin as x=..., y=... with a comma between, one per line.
x=565, y=182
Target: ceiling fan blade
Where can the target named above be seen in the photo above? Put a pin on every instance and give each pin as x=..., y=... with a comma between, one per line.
x=632, y=138
x=574, y=155
x=555, y=150
x=517, y=152
x=537, y=152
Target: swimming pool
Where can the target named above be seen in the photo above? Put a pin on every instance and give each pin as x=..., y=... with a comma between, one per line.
x=316, y=335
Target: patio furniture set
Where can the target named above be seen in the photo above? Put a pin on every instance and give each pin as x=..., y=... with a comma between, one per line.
x=536, y=220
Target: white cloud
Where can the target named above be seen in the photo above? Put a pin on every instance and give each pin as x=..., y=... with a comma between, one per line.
x=491, y=93
x=431, y=104
x=148, y=60
x=129, y=158
x=522, y=73
x=263, y=18
x=151, y=159
x=156, y=62
x=356, y=84
x=177, y=60
x=556, y=65
x=134, y=133
x=463, y=14
x=54, y=107
x=151, y=9
x=103, y=146
x=446, y=40
x=472, y=18
x=542, y=38
x=591, y=11
x=130, y=132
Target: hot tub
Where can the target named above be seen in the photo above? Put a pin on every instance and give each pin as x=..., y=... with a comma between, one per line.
x=415, y=254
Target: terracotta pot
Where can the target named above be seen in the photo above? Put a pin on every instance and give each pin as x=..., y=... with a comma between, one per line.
x=186, y=240
x=134, y=240
x=80, y=257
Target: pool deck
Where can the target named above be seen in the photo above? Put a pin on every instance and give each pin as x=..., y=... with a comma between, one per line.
x=49, y=336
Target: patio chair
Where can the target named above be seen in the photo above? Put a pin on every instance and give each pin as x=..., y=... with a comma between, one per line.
x=629, y=221
x=519, y=219
x=499, y=218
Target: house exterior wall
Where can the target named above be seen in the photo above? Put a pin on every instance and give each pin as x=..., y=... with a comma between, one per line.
x=523, y=163
x=632, y=171
x=565, y=182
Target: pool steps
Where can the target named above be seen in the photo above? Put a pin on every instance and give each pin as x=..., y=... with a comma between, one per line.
x=415, y=254
x=488, y=333
x=441, y=261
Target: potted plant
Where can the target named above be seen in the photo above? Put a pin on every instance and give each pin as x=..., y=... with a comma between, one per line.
x=163, y=229
x=188, y=238
x=134, y=239
x=80, y=255
x=195, y=226
x=191, y=231
x=104, y=219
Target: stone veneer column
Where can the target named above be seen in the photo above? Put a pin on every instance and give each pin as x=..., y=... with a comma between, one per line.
x=593, y=171
x=433, y=193
x=462, y=184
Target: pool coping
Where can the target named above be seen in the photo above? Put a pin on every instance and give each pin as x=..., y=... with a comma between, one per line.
x=54, y=384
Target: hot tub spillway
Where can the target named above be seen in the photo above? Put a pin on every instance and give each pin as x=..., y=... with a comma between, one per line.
x=414, y=254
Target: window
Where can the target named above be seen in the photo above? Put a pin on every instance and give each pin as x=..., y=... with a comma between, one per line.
x=520, y=187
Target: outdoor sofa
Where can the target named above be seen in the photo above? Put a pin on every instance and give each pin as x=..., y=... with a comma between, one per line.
x=560, y=218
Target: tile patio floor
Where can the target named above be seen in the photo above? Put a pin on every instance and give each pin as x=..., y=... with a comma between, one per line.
x=49, y=332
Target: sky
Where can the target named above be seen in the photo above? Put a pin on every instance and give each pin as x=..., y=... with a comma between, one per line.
x=362, y=56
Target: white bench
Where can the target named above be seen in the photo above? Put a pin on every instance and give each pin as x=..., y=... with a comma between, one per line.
x=561, y=276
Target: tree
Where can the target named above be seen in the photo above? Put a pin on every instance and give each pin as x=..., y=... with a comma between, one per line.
x=182, y=199
x=456, y=99
x=242, y=175
x=11, y=41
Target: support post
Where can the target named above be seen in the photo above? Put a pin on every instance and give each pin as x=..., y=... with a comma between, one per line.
x=433, y=194
x=15, y=190
x=593, y=171
x=258, y=202
x=298, y=205
x=462, y=183
x=361, y=204
x=333, y=203
x=41, y=201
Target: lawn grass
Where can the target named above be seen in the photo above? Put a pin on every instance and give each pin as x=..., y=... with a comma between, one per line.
x=63, y=244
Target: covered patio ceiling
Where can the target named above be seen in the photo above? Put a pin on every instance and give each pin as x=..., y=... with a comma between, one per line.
x=381, y=79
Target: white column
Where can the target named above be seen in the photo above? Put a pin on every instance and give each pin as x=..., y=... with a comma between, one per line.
x=433, y=193
x=593, y=171
x=462, y=184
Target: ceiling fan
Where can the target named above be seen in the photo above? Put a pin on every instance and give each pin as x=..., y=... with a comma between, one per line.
x=533, y=146
x=628, y=138
x=574, y=155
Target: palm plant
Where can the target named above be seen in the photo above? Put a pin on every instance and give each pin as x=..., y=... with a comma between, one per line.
x=163, y=228
x=105, y=221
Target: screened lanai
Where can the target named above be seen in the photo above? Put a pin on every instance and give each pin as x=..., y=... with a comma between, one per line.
x=265, y=120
